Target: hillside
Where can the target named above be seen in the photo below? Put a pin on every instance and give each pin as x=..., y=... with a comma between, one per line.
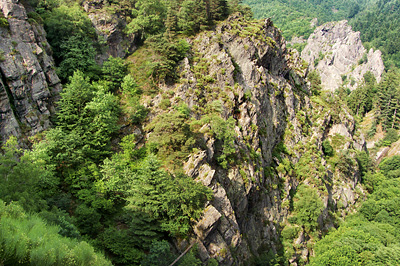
x=296, y=17
x=183, y=128
x=377, y=20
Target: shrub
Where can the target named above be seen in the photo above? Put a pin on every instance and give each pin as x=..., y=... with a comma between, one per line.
x=165, y=103
x=390, y=137
x=290, y=232
x=2, y=56
x=327, y=148
x=391, y=166
x=3, y=22
x=308, y=207
x=27, y=239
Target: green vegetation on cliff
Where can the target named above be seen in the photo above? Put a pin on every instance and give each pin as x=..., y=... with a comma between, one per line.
x=371, y=236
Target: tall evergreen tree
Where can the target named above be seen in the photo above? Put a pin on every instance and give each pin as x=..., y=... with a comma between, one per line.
x=217, y=10
x=360, y=101
x=388, y=100
x=171, y=23
x=192, y=16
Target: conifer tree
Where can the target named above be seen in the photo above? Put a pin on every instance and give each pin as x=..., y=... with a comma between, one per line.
x=388, y=100
x=217, y=10
x=192, y=16
x=171, y=23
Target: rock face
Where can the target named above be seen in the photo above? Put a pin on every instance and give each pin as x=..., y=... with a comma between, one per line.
x=245, y=70
x=110, y=25
x=29, y=83
x=336, y=51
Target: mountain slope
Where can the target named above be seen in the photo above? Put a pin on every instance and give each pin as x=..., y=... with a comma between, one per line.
x=337, y=53
x=267, y=145
x=295, y=17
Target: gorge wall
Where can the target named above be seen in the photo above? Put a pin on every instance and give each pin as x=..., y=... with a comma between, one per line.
x=110, y=23
x=29, y=83
x=244, y=70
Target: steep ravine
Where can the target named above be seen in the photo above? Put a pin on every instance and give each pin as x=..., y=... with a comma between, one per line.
x=242, y=71
x=245, y=68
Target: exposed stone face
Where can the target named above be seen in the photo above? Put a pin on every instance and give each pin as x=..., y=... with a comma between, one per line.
x=335, y=50
x=29, y=84
x=110, y=27
x=261, y=85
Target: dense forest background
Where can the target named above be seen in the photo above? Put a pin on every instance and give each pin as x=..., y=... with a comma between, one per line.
x=78, y=197
x=377, y=20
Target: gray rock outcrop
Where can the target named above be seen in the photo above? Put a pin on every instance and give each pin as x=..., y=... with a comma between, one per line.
x=336, y=51
x=29, y=83
x=110, y=27
x=245, y=69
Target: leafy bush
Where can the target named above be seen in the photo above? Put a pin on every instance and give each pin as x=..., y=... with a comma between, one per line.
x=308, y=207
x=224, y=131
x=315, y=80
x=172, y=52
x=164, y=104
x=2, y=56
x=290, y=232
x=36, y=17
x=391, y=166
x=345, y=163
x=3, y=21
x=327, y=148
x=390, y=137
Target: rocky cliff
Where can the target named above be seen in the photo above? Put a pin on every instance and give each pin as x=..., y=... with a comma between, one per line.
x=28, y=81
x=336, y=51
x=109, y=20
x=244, y=70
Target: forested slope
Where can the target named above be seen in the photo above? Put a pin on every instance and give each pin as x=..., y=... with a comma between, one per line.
x=377, y=20
x=294, y=16
x=379, y=26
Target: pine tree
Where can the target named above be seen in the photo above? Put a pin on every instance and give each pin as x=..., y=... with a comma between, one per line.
x=192, y=16
x=173, y=201
x=217, y=10
x=171, y=23
x=388, y=100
